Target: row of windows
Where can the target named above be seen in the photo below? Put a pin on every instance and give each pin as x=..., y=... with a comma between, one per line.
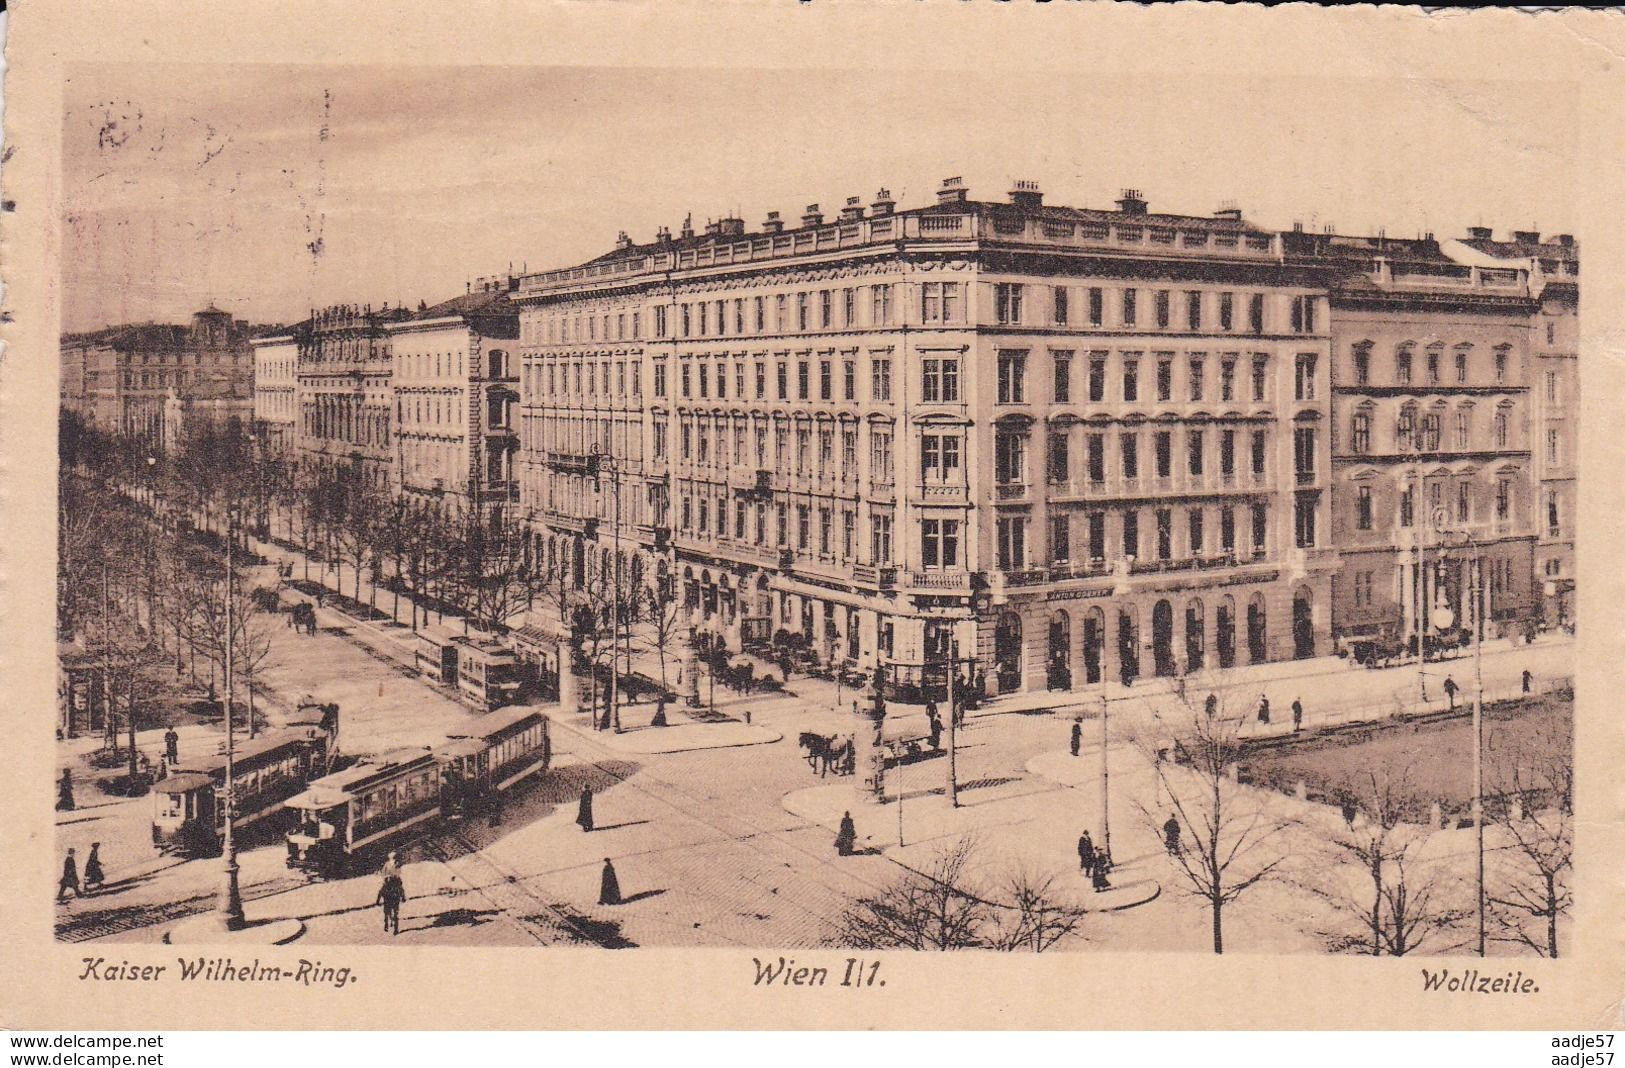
x=1014, y=303
x=590, y=378
x=1433, y=364
x=1427, y=435
x=1010, y=454
x=1460, y=510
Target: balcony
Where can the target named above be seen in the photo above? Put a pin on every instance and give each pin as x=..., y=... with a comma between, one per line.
x=1306, y=478
x=573, y=463
x=1011, y=491
x=954, y=581
x=1032, y=576
x=586, y=526
x=882, y=488
x=940, y=491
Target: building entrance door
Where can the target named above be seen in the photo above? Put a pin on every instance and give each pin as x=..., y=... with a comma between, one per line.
x=1007, y=653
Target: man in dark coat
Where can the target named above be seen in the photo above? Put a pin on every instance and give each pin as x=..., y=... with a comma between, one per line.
x=1263, y=709
x=172, y=746
x=70, y=878
x=1528, y=680
x=1211, y=705
x=1086, y=854
x=1450, y=691
x=1077, y=736
x=847, y=836
x=584, y=809
x=1170, y=835
x=935, y=720
x=609, y=887
x=1297, y=714
x=391, y=895
x=64, y=791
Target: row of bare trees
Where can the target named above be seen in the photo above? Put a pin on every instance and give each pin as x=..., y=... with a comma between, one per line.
x=1389, y=885
x=445, y=555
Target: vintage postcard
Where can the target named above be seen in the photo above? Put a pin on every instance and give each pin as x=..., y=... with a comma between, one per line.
x=679, y=515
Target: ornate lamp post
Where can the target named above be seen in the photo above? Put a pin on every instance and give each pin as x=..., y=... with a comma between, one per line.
x=598, y=461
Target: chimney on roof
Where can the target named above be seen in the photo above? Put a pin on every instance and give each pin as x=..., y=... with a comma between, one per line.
x=853, y=210
x=1131, y=203
x=812, y=216
x=953, y=191
x=1228, y=209
x=622, y=241
x=1526, y=237
x=1566, y=240
x=731, y=226
x=713, y=229
x=1026, y=194
x=663, y=236
x=774, y=224
x=688, y=225
x=884, y=205
x=1479, y=233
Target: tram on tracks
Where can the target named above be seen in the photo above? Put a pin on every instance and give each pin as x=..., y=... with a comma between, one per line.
x=343, y=817
x=189, y=816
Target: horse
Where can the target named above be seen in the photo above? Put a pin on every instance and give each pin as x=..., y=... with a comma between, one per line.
x=827, y=754
x=302, y=617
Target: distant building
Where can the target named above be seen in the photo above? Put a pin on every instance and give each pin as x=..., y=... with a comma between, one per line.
x=122, y=377
x=346, y=404
x=276, y=382
x=1553, y=264
x=1432, y=435
x=455, y=377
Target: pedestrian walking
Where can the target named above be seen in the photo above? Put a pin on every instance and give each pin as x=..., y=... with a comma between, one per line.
x=391, y=894
x=584, y=809
x=1211, y=706
x=1077, y=736
x=1349, y=812
x=1450, y=691
x=846, y=838
x=1170, y=835
x=1528, y=681
x=936, y=727
x=94, y=876
x=172, y=746
x=1102, y=866
x=70, y=878
x=609, y=887
x=1086, y=854
x=1263, y=709
x=64, y=791
x=1297, y=714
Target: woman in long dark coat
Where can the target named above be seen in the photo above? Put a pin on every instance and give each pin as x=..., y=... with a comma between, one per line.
x=94, y=876
x=847, y=836
x=584, y=809
x=609, y=887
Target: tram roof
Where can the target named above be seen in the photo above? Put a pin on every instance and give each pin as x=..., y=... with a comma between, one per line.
x=338, y=788
x=249, y=750
x=493, y=722
x=183, y=782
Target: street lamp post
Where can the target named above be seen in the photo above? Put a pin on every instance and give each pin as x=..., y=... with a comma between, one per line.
x=231, y=895
x=1475, y=563
x=598, y=461
x=953, y=718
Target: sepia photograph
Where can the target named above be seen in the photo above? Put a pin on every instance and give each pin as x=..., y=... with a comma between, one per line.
x=831, y=516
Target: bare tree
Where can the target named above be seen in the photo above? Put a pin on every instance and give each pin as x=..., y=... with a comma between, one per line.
x=1231, y=837
x=931, y=909
x=664, y=618
x=1387, y=899
x=1036, y=918
x=1536, y=777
